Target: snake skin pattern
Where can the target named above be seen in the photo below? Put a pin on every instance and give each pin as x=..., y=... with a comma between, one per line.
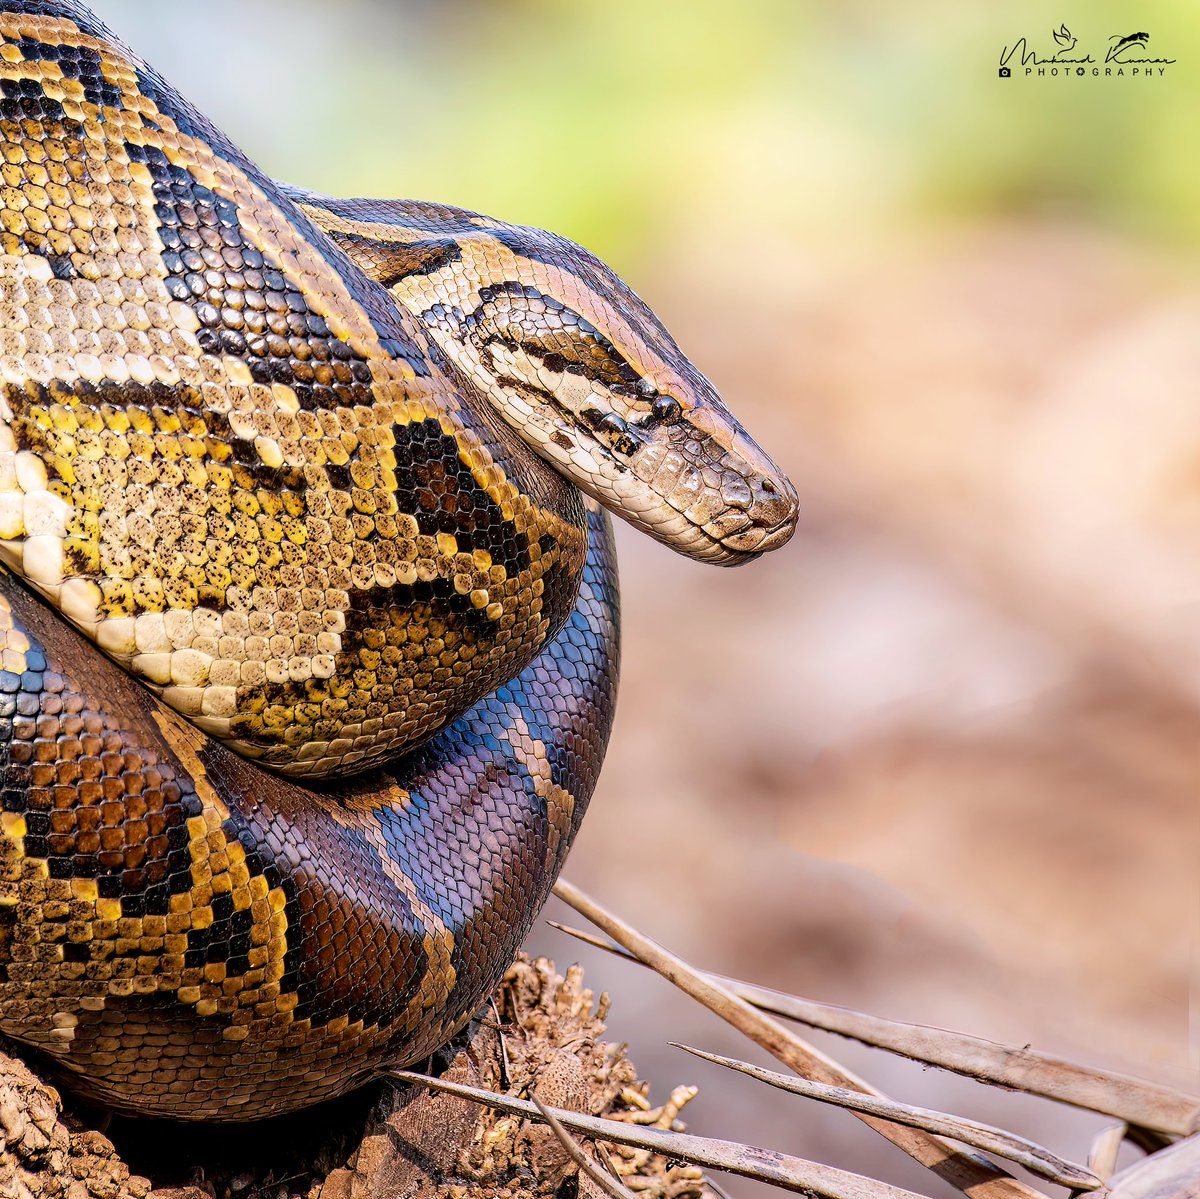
x=291, y=521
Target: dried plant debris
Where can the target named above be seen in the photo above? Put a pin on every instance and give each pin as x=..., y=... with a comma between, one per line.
x=764, y=1165
x=743, y=1005
x=1019, y=1068
x=1035, y=1158
x=541, y=1038
x=970, y=1172
x=1172, y=1173
x=549, y=1044
x=45, y=1153
x=528, y=1103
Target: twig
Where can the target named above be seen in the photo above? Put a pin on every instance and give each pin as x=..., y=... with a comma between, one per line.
x=1102, y=1158
x=1172, y=1174
x=970, y=1173
x=716, y=1190
x=764, y=1165
x=1132, y=1100
x=1035, y=1158
x=504, y=1066
x=605, y=1181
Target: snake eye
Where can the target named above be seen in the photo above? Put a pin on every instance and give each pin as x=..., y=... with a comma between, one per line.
x=666, y=410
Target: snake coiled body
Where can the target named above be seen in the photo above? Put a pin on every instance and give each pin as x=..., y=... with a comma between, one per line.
x=308, y=644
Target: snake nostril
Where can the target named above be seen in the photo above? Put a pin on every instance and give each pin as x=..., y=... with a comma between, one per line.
x=771, y=505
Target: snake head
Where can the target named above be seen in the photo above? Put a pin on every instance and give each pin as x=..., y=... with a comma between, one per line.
x=578, y=366
x=589, y=377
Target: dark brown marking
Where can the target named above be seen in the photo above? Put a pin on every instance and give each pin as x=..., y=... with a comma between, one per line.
x=391, y=262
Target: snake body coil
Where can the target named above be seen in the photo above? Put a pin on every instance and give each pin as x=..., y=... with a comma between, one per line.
x=302, y=475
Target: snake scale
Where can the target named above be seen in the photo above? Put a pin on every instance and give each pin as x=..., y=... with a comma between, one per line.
x=308, y=626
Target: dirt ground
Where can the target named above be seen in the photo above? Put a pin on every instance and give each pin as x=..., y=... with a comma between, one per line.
x=937, y=758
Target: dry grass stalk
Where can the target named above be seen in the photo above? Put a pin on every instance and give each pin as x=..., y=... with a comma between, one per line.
x=765, y=1165
x=1035, y=1158
x=970, y=1173
x=1102, y=1158
x=1134, y=1101
x=610, y=1185
x=1173, y=1173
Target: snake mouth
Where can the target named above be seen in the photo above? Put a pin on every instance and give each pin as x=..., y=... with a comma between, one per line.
x=735, y=536
x=749, y=542
x=761, y=513
x=758, y=540
x=701, y=486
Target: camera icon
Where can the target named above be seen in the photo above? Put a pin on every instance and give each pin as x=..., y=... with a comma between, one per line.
x=1006, y=72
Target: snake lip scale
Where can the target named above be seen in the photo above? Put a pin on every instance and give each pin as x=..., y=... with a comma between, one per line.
x=309, y=627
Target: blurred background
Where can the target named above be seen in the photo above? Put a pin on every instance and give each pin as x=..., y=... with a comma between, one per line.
x=938, y=758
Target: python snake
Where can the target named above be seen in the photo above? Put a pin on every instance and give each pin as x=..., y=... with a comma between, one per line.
x=308, y=636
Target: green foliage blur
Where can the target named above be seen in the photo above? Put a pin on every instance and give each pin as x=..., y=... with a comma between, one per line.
x=616, y=122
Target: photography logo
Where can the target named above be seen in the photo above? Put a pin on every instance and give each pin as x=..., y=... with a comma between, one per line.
x=1121, y=56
